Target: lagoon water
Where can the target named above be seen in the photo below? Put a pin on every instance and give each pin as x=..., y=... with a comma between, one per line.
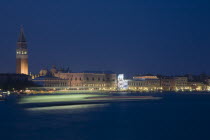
x=182, y=117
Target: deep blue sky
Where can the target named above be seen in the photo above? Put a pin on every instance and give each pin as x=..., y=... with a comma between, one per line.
x=125, y=36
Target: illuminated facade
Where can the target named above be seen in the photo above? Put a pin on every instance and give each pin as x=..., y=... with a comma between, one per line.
x=122, y=84
x=181, y=84
x=167, y=84
x=81, y=81
x=89, y=81
x=152, y=83
x=22, y=54
x=50, y=81
x=175, y=84
x=198, y=86
x=144, y=85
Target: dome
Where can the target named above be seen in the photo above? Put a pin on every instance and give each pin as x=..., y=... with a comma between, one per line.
x=43, y=72
x=53, y=70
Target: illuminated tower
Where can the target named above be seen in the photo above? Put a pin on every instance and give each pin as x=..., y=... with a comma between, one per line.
x=22, y=54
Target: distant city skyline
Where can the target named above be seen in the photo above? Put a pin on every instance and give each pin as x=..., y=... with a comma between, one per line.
x=124, y=37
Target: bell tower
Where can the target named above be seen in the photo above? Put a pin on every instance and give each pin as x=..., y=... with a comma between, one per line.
x=22, y=54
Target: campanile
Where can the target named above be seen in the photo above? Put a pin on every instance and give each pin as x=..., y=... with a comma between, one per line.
x=22, y=54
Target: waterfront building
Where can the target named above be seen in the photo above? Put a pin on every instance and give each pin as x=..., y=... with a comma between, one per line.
x=197, y=86
x=167, y=84
x=89, y=81
x=13, y=77
x=181, y=84
x=14, y=81
x=144, y=85
x=153, y=83
x=22, y=54
x=49, y=81
x=78, y=81
x=175, y=84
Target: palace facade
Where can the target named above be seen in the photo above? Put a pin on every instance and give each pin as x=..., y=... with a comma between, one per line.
x=77, y=81
x=94, y=81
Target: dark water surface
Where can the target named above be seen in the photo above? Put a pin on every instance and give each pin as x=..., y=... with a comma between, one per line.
x=175, y=117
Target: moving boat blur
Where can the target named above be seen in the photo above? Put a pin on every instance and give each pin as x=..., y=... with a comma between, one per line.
x=76, y=99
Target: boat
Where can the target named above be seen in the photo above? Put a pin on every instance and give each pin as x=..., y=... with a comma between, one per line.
x=3, y=95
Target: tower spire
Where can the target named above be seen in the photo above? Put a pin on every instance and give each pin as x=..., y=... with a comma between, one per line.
x=22, y=37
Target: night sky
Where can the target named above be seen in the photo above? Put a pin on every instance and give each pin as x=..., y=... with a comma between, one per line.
x=125, y=36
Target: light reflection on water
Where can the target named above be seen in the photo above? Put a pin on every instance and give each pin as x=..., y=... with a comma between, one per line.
x=66, y=108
